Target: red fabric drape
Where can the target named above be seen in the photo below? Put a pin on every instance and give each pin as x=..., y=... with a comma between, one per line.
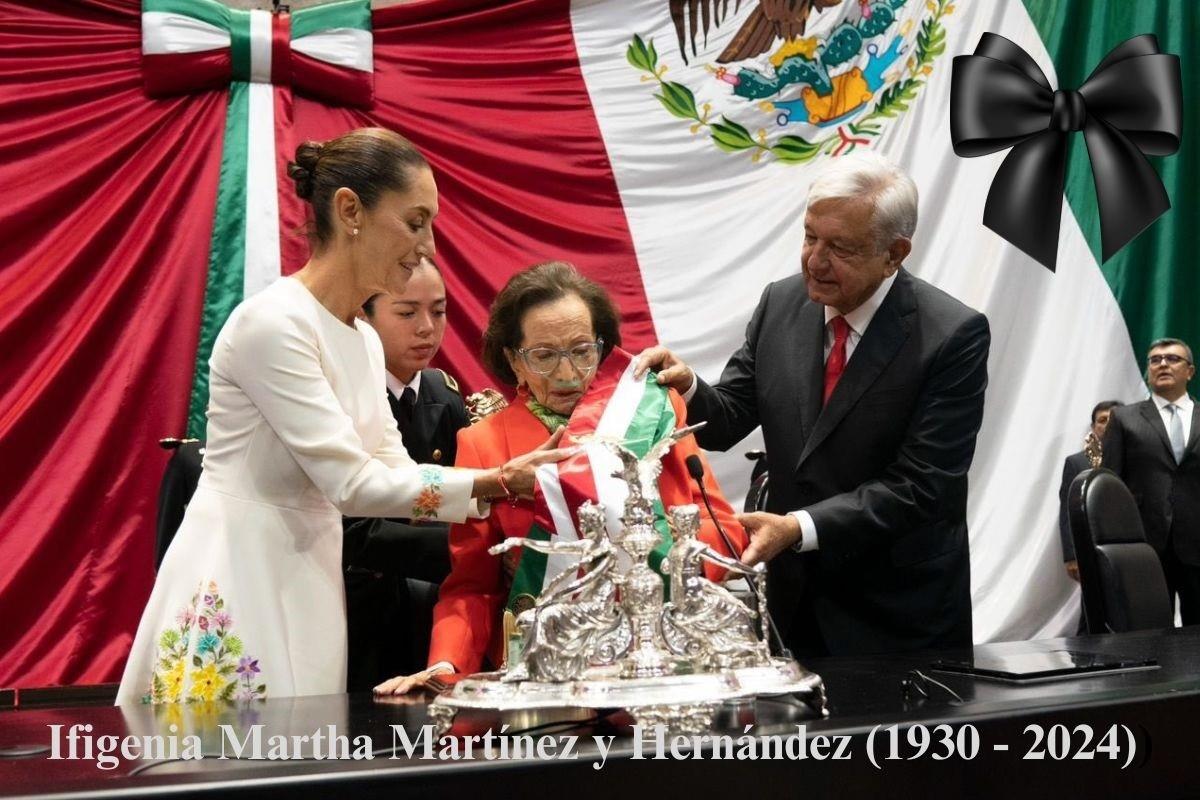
x=104, y=231
x=104, y=228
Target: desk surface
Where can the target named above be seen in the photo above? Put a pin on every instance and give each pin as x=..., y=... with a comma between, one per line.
x=1159, y=709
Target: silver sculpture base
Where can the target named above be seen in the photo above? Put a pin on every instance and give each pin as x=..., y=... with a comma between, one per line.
x=683, y=703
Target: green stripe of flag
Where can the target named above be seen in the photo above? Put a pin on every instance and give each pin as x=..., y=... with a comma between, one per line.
x=239, y=32
x=208, y=11
x=652, y=421
x=227, y=251
x=530, y=574
x=1154, y=278
x=347, y=14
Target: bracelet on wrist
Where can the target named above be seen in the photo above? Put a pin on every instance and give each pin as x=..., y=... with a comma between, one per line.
x=512, y=498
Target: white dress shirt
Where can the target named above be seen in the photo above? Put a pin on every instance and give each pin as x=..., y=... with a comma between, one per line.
x=397, y=386
x=1185, y=405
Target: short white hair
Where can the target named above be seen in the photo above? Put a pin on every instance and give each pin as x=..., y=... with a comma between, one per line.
x=866, y=174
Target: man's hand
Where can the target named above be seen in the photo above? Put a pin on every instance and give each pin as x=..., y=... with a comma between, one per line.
x=770, y=535
x=672, y=372
x=1073, y=570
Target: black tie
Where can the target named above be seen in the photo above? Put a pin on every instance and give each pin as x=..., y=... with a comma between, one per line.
x=408, y=400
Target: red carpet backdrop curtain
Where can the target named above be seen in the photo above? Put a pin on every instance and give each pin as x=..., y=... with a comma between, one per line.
x=104, y=244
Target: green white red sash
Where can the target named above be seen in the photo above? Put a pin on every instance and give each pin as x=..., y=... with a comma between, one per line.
x=200, y=45
x=616, y=406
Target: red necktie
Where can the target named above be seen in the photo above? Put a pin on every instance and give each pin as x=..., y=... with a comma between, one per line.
x=836, y=364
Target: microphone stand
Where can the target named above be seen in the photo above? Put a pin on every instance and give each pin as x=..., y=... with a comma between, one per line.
x=695, y=468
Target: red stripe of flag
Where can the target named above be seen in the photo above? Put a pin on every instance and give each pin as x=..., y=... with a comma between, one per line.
x=578, y=484
x=591, y=406
x=575, y=473
x=281, y=49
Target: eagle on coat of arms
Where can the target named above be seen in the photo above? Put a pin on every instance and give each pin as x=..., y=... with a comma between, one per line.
x=770, y=21
x=832, y=84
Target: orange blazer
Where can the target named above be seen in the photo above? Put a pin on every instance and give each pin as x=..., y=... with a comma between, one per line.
x=467, y=619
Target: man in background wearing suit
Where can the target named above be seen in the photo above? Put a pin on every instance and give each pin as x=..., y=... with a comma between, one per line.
x=869, y=386
x=1154, y=446
x=393, y=567
x=1075, y=464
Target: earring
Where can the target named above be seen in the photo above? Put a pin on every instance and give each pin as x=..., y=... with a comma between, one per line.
x=354, y=232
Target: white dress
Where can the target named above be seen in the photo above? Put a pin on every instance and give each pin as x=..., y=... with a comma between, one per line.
x=249, y=600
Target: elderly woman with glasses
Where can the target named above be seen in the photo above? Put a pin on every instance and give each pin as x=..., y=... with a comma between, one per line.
x=548, y=331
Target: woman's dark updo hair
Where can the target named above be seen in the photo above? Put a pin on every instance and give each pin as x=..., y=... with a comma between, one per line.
x=543, y=283
x=368, y=161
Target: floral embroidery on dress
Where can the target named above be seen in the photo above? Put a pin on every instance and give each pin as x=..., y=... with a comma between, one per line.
x=200, y=660
x=429, y=501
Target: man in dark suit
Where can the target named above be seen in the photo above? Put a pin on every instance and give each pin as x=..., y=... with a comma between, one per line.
x=394, y=567
x=1075, y=464
x=1154, y=446
x=869, y=386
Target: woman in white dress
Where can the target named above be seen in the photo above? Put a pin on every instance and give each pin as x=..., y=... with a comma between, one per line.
x=249, y=601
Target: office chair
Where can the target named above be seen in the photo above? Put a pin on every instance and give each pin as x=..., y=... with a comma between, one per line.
x=756, y=496
x=1120, y=574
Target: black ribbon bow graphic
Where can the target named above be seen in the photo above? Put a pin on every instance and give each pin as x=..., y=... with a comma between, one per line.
x=1131, y=104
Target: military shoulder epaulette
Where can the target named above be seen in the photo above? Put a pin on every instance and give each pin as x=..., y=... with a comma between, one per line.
x=451, y=384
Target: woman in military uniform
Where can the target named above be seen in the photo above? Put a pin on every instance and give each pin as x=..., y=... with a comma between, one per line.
x=393, y=566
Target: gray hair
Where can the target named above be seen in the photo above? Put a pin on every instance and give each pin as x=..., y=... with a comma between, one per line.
x=866, y=174
x=1167, y=342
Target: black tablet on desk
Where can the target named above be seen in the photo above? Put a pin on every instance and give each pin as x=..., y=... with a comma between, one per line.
x=1043, y=665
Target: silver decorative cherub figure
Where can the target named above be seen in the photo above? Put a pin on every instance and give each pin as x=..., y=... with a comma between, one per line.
x=641, y=474
x=642, y=596
x=704, y=620
x=642, y=592
x=576, y=621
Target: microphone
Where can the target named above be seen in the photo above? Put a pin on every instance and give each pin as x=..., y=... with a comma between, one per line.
x=695, y=468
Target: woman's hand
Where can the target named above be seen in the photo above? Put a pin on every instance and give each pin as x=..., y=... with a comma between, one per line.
x=426, y=680
x=517, y=475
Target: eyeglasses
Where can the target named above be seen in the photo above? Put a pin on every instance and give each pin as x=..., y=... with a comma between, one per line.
x=1168, y=358
x=544, y=360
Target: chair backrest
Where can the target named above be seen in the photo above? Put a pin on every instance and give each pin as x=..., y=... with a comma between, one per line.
x=175, y=492
x=756, y=496
x=1119, y=573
